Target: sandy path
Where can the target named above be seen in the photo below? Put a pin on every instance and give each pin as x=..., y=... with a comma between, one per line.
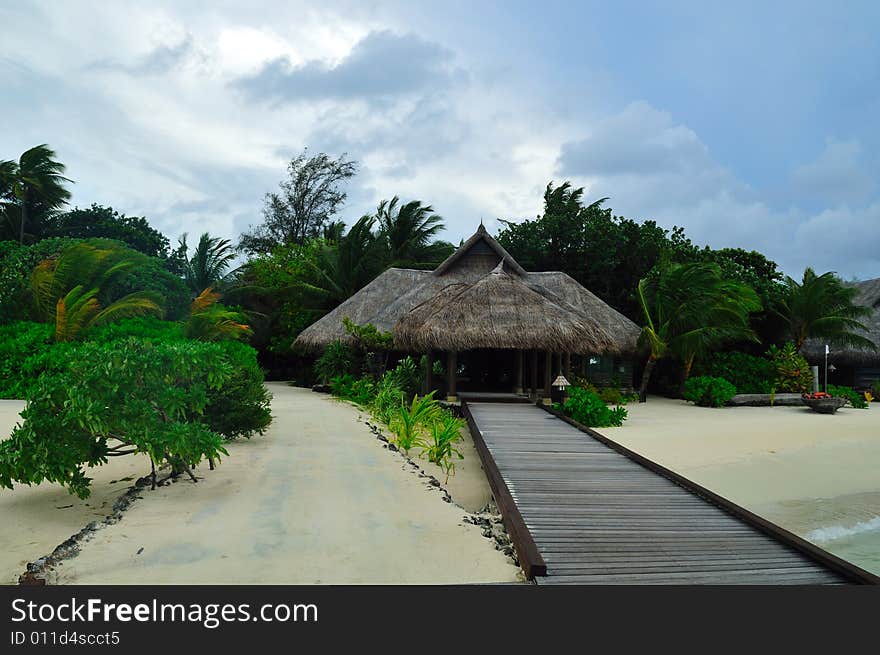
x=315, y=500
x=758, y=456
x=34, y=520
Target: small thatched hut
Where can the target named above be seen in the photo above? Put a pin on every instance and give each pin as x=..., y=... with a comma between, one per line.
x=857, y=367
x=482, y=304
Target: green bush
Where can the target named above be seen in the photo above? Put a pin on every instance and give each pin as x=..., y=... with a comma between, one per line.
x=440, y=444
x=708, y=391
x=114, y=399
x=240, y=407
x=410, y=422
x=338, y=359
x=587, y=408
x=142, y=327
x=854, y=398
x=876, y=391
x=792, y=372
x=748, y=373
x=407, y=376
x=19, y=342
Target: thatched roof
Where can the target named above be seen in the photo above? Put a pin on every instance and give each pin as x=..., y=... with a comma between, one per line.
x=480, y=297
x=868, y=296
x=499, y=310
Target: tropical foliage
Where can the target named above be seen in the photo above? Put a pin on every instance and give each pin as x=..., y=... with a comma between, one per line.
x=821, y=306
x=209, y=320
x=209, y=263
x=66, y=290
x=688, y=309
x=31, y=190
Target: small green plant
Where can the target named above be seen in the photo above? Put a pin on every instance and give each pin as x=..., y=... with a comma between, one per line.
x=407, y=376
x=337, y=359
x=586, y=407
x=852, y=396
x=410, y=421
x=748, y=373
x=876, y=391
x=439, y=446
x=708, y=391
x=389, y=397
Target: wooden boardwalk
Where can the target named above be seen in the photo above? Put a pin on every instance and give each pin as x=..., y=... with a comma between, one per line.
x=580, y=512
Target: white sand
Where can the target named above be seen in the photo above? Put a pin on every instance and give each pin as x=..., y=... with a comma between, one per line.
x=34, y=520
x=784, y=463
x=314, y=500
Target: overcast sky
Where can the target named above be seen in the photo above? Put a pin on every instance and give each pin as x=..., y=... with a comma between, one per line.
x=750, y=126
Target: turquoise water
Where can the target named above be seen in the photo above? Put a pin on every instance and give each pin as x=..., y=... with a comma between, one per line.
x=858, y=543
x=847, y=526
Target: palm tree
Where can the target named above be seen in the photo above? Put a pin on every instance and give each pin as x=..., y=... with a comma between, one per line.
x=211, y=321
x=345, y=267
x=821, y=306
x=66, y=289
x=407, y=230
x=33, y=186
x=209, y=264
x=689, y=309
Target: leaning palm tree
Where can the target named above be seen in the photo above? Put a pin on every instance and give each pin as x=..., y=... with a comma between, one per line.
x=821, y=306
x=209, y=264
x=66, y=289
x=211, y=321
x=407, y=229
x=32, y=186
x=344, y=267
x=688, y=310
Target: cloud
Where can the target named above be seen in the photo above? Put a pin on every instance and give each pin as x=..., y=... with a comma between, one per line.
x=160, y=60
x=381, y=65
x=640, y=140
x=837, y=175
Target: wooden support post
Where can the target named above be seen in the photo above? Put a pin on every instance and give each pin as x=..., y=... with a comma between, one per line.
x=519, y=372
x=548, y=371
x=568, y=366
x=534, y=375
x=429, y=372
x=451, y=367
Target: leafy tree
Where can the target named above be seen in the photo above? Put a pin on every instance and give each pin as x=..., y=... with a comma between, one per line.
x=66, y=289
x=309, y=197
x=607, y=254
x=209, y=264
x=106, y=223
x=821, y=306
x=689, y=309
x=30, y=190
x=409, y=230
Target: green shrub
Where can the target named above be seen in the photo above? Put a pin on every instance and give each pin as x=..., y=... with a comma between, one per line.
x=19, y=342
x=142, y=327
x=340, y=385
x=114, y=399
x=708, y=391
x=876, y=391
x=338, y=359
x=748, y=373
x=587, y=408
x=241, y=406
x=854, y=398
x=791, y=371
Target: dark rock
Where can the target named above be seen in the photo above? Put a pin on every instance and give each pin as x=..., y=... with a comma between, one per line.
x=392, y=447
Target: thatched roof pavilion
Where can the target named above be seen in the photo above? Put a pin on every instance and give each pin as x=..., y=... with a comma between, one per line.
x=480, y=298
x=863, y=361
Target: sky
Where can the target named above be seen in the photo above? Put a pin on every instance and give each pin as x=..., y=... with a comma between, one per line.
x=751, y=125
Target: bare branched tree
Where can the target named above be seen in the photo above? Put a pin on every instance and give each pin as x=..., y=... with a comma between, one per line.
x=308, y=199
